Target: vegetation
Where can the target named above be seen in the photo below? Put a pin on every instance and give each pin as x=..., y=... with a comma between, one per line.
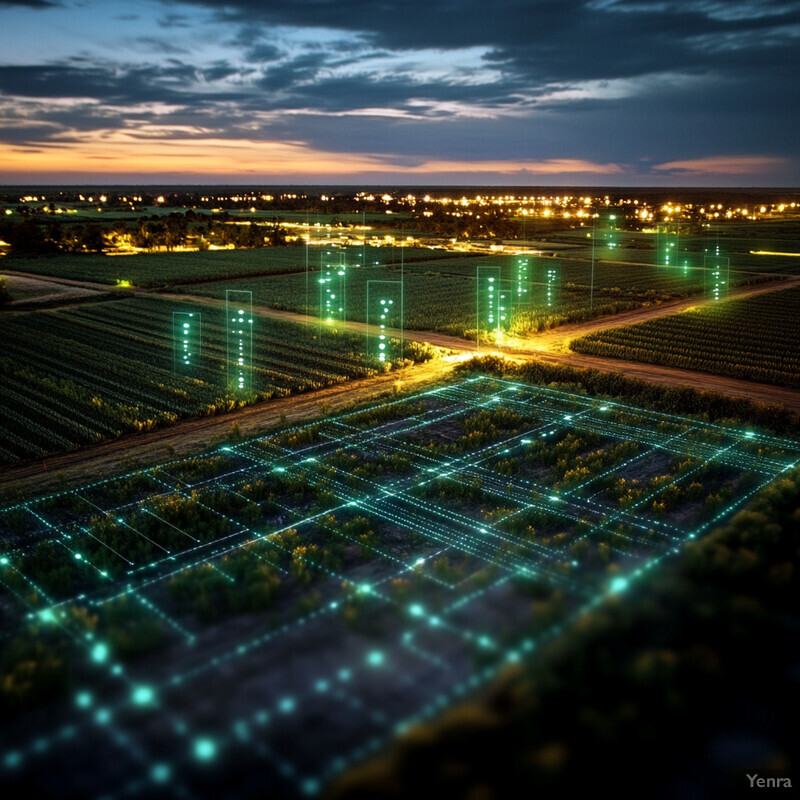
x=661, y=676
x=84, y=374
x=710, y=339
x=161, y=269
x=707, y=405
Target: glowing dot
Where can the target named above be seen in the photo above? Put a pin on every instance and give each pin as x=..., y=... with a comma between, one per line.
x=142, y=695
x=160, y=773
x=83, y=700
x=375, y=658
x=287, y=705
x=619, y=584
x=12, y=759
x=416, y=610
x=204, y=749
x=100, y=652
x=78, y=556
x=103, y=716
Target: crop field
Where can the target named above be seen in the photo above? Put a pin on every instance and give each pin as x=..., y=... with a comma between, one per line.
x=440, y=295
x=749, y=251
x=160, y=269
x=711, y=339
x=444, y=303
x=297, y=600
x=84, y=374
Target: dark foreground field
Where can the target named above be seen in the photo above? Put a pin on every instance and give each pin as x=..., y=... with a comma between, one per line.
x=266, y=616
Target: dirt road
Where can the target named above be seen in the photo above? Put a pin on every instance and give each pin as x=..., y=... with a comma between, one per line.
x=551, y=346
x=197, y=434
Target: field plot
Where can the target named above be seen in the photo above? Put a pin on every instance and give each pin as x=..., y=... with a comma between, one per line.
x=84, y=374
x=260, y=618
x=160, y=269
x=713, y=339
x=441, y=295
x=750, y=251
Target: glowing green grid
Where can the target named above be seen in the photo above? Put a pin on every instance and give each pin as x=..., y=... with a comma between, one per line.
x=446, y=574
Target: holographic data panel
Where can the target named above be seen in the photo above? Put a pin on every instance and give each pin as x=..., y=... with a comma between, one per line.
x=385, y=320
x=548, y=283
x=332, y=287
x=239, y=326
x=186, y=336
x=521, y=289
x=490, y=314
x=716, y=270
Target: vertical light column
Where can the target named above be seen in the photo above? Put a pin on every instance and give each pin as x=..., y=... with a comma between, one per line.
x=716, y=270
x=610, y=234
x=488, y=303
x=549, y=282
x=505, y=307
x=384, y=320
x=186, y=333
x=668, y=238
x=522, y=283
x=332, y=288
x=239, y=326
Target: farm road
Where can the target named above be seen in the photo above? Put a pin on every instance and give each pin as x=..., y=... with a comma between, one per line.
x=551, y=346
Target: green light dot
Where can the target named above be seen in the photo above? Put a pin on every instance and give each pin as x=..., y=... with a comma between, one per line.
x=375, y=658
x=416, y=610
x=204, y=749
x=142, y=695
x=619, y=584
x=287, y=705
x=160, y=773
x=100, y=652
x=83, y=699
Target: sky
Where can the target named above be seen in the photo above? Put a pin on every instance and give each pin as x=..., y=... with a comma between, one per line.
x=489, y=92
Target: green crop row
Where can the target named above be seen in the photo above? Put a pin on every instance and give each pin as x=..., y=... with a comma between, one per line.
x=755, y=338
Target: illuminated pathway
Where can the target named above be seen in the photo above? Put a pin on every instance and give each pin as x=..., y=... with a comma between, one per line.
x=260, y=618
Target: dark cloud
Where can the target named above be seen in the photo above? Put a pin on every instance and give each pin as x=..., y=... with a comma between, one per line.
x=629, y=81
x=29, y=3
x=168, y=21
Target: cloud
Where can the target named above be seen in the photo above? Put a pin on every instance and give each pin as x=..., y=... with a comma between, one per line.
x=587, y=85
x=29, y=3
x=723, y=165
